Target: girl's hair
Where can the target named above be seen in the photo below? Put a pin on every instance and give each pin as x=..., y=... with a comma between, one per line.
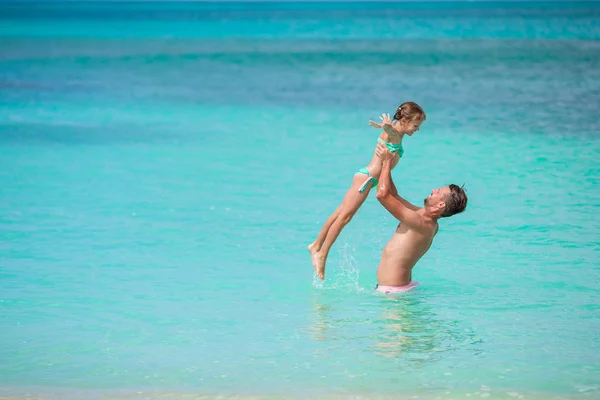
x=410, y=111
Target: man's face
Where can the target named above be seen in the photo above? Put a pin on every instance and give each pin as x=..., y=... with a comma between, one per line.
x=437, y=196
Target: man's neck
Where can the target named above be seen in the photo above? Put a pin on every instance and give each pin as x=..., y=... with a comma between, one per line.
x=429, y=215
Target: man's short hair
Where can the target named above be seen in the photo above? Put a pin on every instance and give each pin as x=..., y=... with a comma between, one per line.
x=456, y=201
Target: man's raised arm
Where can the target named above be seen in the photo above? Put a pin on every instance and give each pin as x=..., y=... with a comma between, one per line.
x=394, y=193
x=398, y=207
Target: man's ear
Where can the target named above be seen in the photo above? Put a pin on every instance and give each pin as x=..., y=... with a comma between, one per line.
x=441, y=205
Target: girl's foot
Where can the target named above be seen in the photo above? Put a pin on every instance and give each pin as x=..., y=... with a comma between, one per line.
x=319, y=265
x=313, y=250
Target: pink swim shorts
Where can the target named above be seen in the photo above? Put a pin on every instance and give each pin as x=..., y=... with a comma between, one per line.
x=397, y=289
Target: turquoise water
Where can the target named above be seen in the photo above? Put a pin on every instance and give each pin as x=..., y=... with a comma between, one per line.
x=163, y=167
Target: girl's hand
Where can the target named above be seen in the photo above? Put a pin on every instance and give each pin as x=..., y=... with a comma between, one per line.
x=385, y=119
x=386, y=122
x=375, y=124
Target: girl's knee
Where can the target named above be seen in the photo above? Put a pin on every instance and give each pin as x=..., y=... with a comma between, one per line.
x=346, y=217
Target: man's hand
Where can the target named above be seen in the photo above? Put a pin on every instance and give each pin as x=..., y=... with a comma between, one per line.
x=383, y=152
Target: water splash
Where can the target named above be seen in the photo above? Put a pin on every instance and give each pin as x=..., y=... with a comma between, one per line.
x=347, y=279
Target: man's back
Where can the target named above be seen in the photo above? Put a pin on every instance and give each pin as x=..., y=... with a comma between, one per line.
x=402, y=252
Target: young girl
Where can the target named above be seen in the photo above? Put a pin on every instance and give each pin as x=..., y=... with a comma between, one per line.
x=407, y=120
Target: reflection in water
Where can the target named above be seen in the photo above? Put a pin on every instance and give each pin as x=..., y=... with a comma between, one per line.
x=404, y=326
x=397, y=323
x=407, y=327
x=322, y=326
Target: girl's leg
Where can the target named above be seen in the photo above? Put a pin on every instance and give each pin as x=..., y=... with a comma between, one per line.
x=316, y=245
x=350, y=205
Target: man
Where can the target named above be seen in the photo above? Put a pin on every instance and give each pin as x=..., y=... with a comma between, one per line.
x=417, y=228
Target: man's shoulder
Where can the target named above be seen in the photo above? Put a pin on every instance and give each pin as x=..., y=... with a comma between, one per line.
x=428, y=225
x=435, y=227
